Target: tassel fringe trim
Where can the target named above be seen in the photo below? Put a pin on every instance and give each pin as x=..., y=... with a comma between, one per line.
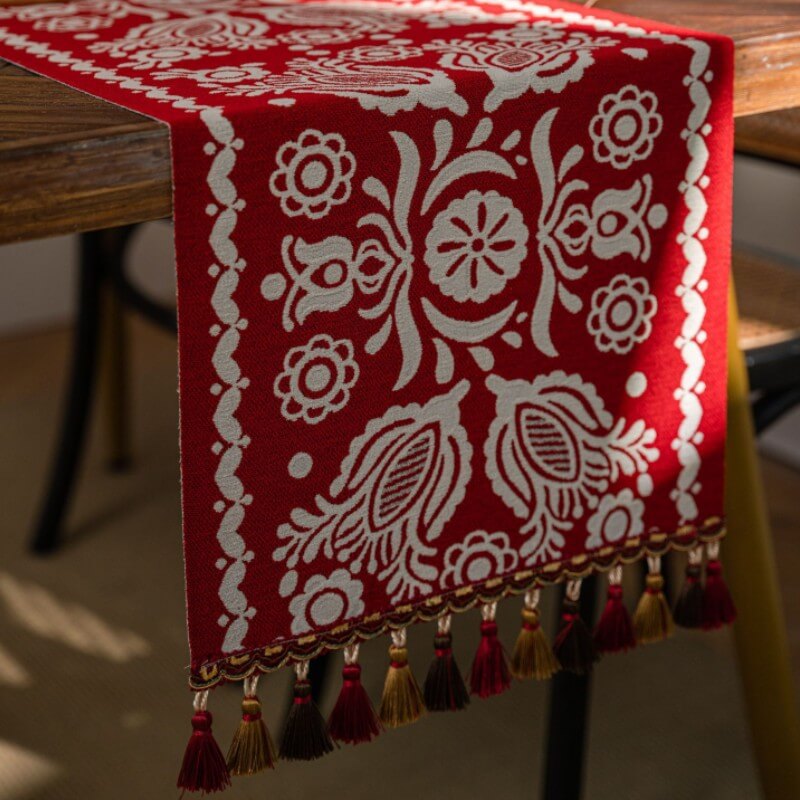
x=704, y=602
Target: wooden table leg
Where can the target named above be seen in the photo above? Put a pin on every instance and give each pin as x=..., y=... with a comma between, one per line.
x=760, y=631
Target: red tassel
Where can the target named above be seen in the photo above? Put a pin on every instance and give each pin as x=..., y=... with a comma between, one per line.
x=614, y=631
x=490, y=674
x=573, y=646
x=718, y=607
x=203, y=768
x=444, y=688
x=353, y=718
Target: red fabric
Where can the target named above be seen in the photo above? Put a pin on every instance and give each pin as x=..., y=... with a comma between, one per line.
x=452, y=289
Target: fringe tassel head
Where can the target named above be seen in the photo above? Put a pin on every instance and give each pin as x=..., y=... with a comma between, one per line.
x=490, y=674
x=444, y=688
x=718, y=607
x=305, y=736
x=401, y=702
x=573, y=647
x=203, y=768
x=614, y=630
x=688, y=610
x=533, y=656
x=251, y=750
x=652, y=621
x=353, y=718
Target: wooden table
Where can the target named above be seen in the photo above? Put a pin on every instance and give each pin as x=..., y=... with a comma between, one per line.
x=72, y=163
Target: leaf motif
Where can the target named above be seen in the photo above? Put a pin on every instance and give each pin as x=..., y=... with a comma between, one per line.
x=466, y=331
x=406, y=182
x=408, y=334
x=376, y=188
x=444, y=361
x=378, y=339
x=461, y=167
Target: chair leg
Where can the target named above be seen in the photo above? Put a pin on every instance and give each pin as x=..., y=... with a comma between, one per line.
x=47, y=531
x=114, y=378
x=760, y=632
x=568, y=721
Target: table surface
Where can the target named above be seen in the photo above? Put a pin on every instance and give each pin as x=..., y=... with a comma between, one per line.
x=70, y=162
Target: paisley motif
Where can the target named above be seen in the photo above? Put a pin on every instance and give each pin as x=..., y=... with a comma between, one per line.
x=401, y=481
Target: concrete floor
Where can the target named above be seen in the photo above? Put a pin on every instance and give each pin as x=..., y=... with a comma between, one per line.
x=93, y=701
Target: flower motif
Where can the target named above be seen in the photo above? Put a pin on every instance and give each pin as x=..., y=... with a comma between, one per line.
x=326, y=601
x=553, y=450
x=217, y=77
x=381, y=53
x=528, y=57
x=74, y=24
x=314, y=173
x=315, y=37
x=476, y=245
x=480, y=556
x=625, y=127
x=617, y=517
x=621, y=314
x=316, y=379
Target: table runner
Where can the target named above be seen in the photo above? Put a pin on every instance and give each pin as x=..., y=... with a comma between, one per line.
x=452, y=284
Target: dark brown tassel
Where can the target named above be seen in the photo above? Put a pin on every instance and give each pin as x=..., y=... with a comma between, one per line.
x=401, y=702
x=718, y=607
x=305, y=736
x=614, y=630
x=353, y=719
x=203, y=768
x=652, y=621
x=251, y=750
x=490, y=674
x=533, y=656
x=688, y=610
x=573, y=647
x=444, y=688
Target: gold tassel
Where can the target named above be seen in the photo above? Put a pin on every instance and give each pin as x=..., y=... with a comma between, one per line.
x=251, y=750
x=533, y=656
x=653, y=621
x=402, y=701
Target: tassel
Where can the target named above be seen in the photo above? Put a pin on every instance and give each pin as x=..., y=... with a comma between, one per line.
x=251, y=750
x=203, y=768
x=533, y=657
x=305, y=736
x=402, y=701
x=718, y=607
x=353, y=719
x=614, y=631
x=688, y=611
x=444, y=686
x=652, y=621
x=490, y=674
x=573, y=647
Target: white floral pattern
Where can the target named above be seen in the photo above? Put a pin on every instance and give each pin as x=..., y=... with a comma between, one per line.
x=621, y=314
x=625, y=127
x=316, y=379
x=477, y=558
x=618, y=517
x=476, y=245
x=400, y=482
x=326, y=601
x=314, y=173
x=163, y=43
x=528, y=57
x=553, y=449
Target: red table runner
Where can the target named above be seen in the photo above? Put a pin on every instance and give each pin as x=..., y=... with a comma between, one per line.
x=452, y=283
